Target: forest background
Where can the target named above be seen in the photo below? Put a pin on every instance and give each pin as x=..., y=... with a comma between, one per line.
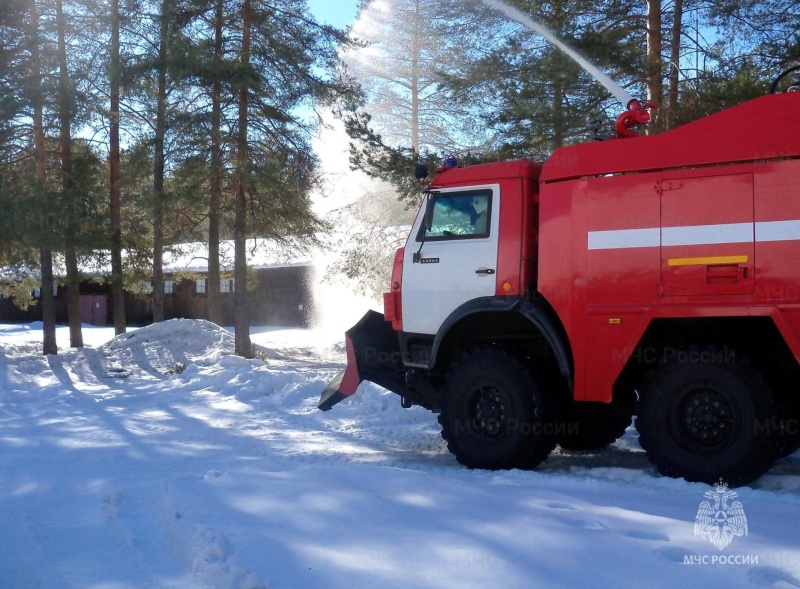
x=128, y=128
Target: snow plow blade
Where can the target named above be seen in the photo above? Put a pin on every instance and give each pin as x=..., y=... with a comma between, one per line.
x=373, y=354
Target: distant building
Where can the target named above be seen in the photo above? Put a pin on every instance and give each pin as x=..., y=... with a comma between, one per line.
x=283, y=293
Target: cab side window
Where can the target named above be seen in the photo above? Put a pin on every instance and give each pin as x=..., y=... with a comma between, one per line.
x=462, y=215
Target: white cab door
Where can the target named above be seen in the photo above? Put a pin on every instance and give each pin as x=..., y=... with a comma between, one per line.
x=457, y=259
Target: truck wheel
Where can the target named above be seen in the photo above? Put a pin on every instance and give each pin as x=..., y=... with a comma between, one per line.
x=493, y=413
x=788, y=448
x=592, y=432
x=790, y=438
x=702, y=417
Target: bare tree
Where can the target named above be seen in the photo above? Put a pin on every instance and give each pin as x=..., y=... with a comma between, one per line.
x=405, y=52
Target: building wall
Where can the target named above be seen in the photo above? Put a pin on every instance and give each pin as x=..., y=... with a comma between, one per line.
x=282, y=297
x=10, y=313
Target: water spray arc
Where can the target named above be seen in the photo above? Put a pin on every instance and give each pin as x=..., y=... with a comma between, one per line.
x=615, y=89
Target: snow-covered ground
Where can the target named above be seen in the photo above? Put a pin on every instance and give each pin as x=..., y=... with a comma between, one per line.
x=160, y=460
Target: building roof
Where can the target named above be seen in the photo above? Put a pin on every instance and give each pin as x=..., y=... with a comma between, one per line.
x=261, y=253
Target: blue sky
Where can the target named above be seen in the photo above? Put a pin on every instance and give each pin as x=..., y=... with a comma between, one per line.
x=339, y=13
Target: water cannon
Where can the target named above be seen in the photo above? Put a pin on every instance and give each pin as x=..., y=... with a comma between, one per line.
x=595, y=126
x=794, y=84
x=637, y=115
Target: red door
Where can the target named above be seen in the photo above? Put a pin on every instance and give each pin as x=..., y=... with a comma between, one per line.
x=707, y=235
x=94, y=309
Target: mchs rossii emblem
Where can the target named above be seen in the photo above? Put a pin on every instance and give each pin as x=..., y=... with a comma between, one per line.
x=721, y=517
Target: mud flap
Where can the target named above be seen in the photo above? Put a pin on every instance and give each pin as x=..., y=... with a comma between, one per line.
x=373, y=354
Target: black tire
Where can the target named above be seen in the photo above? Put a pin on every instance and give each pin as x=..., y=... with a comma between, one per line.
x=789, y=410
x=591, y=432
x=493, y=414
x=706, y=415
x=790, y=441
x=789, y=447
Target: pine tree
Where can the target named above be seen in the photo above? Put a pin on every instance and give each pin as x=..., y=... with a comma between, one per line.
x=286, y=63
x=206, y=61
x=66, y=107
x=49, y=199
x=537, y=98
x=115, y=204
x=158, y=161
x=217, y=172
x=20, y=249
x=49, y=344
x=241, y=319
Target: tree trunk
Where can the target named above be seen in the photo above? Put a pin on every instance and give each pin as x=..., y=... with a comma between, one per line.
x=117, y=287
x=655, y=85
x=49, y=345
x=674, y=58
x=68, y=184
x=214, y=296
x=415, y=50
x=158, y=168
x=241, y=314
x=73, y=297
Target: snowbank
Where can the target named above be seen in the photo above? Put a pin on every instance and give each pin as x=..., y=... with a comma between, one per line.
x=121, y=471
x=172, y=345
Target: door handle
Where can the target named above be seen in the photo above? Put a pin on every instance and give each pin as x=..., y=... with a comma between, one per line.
x=484, y=271
x=725, y=273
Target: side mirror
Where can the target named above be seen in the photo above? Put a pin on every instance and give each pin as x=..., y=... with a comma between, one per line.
x=420, y=172
x=427, y=220
x=427, y=223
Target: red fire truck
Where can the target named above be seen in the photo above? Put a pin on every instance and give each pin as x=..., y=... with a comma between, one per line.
x=655, y=277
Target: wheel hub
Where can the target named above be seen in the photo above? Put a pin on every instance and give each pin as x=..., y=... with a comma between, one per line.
x=706, y=419
x=488, y=414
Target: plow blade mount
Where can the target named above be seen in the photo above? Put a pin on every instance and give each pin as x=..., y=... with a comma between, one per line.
x=373, y=354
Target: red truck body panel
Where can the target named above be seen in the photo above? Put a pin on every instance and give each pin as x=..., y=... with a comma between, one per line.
x=700, y=221
x=761, y=129
x=703, y=220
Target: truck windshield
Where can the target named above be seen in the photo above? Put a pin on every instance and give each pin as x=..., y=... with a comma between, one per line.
x=460, y=215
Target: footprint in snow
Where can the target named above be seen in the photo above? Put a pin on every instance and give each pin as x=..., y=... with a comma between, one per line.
x=584, y=524
x=561, y=506
x=646, y=535
x=674, y=553
x=772, y=576
x=211, y=474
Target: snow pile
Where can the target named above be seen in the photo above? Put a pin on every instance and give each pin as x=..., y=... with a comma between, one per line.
x=170, y=346
x=226, y=476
